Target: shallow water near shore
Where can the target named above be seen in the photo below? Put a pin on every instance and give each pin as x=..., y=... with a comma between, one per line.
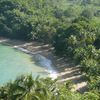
x=14, y=63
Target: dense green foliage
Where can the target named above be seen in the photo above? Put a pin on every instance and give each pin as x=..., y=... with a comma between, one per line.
x=25, y=88
x=41, y=19
x=81, y=42
x=29, y=19
x=72, y=26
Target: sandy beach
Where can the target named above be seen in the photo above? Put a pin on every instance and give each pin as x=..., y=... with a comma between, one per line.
x=65, y=68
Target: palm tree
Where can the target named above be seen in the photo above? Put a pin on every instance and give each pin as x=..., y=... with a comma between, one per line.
x=25, y=88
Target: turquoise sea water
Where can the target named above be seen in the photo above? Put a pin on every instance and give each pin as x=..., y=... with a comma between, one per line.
x=14, y=63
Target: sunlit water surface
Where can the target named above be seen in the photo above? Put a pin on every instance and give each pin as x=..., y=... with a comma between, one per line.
x=14, y=63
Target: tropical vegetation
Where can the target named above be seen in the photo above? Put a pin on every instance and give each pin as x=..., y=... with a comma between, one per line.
x=71, y=26
x=27, y=88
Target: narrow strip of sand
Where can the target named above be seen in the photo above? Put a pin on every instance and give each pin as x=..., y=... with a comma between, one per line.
x=67, y=70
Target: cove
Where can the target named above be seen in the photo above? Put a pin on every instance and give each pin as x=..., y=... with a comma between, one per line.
x=14, y=63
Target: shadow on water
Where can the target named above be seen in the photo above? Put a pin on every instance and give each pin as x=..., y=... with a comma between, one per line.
x=45, y=63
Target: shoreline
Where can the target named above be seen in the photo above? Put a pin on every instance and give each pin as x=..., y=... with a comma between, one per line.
x=65, y=68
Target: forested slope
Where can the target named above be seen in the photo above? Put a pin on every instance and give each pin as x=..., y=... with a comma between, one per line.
x=71, y=26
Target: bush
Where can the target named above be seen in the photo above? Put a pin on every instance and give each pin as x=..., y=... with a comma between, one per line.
x=27, y=88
